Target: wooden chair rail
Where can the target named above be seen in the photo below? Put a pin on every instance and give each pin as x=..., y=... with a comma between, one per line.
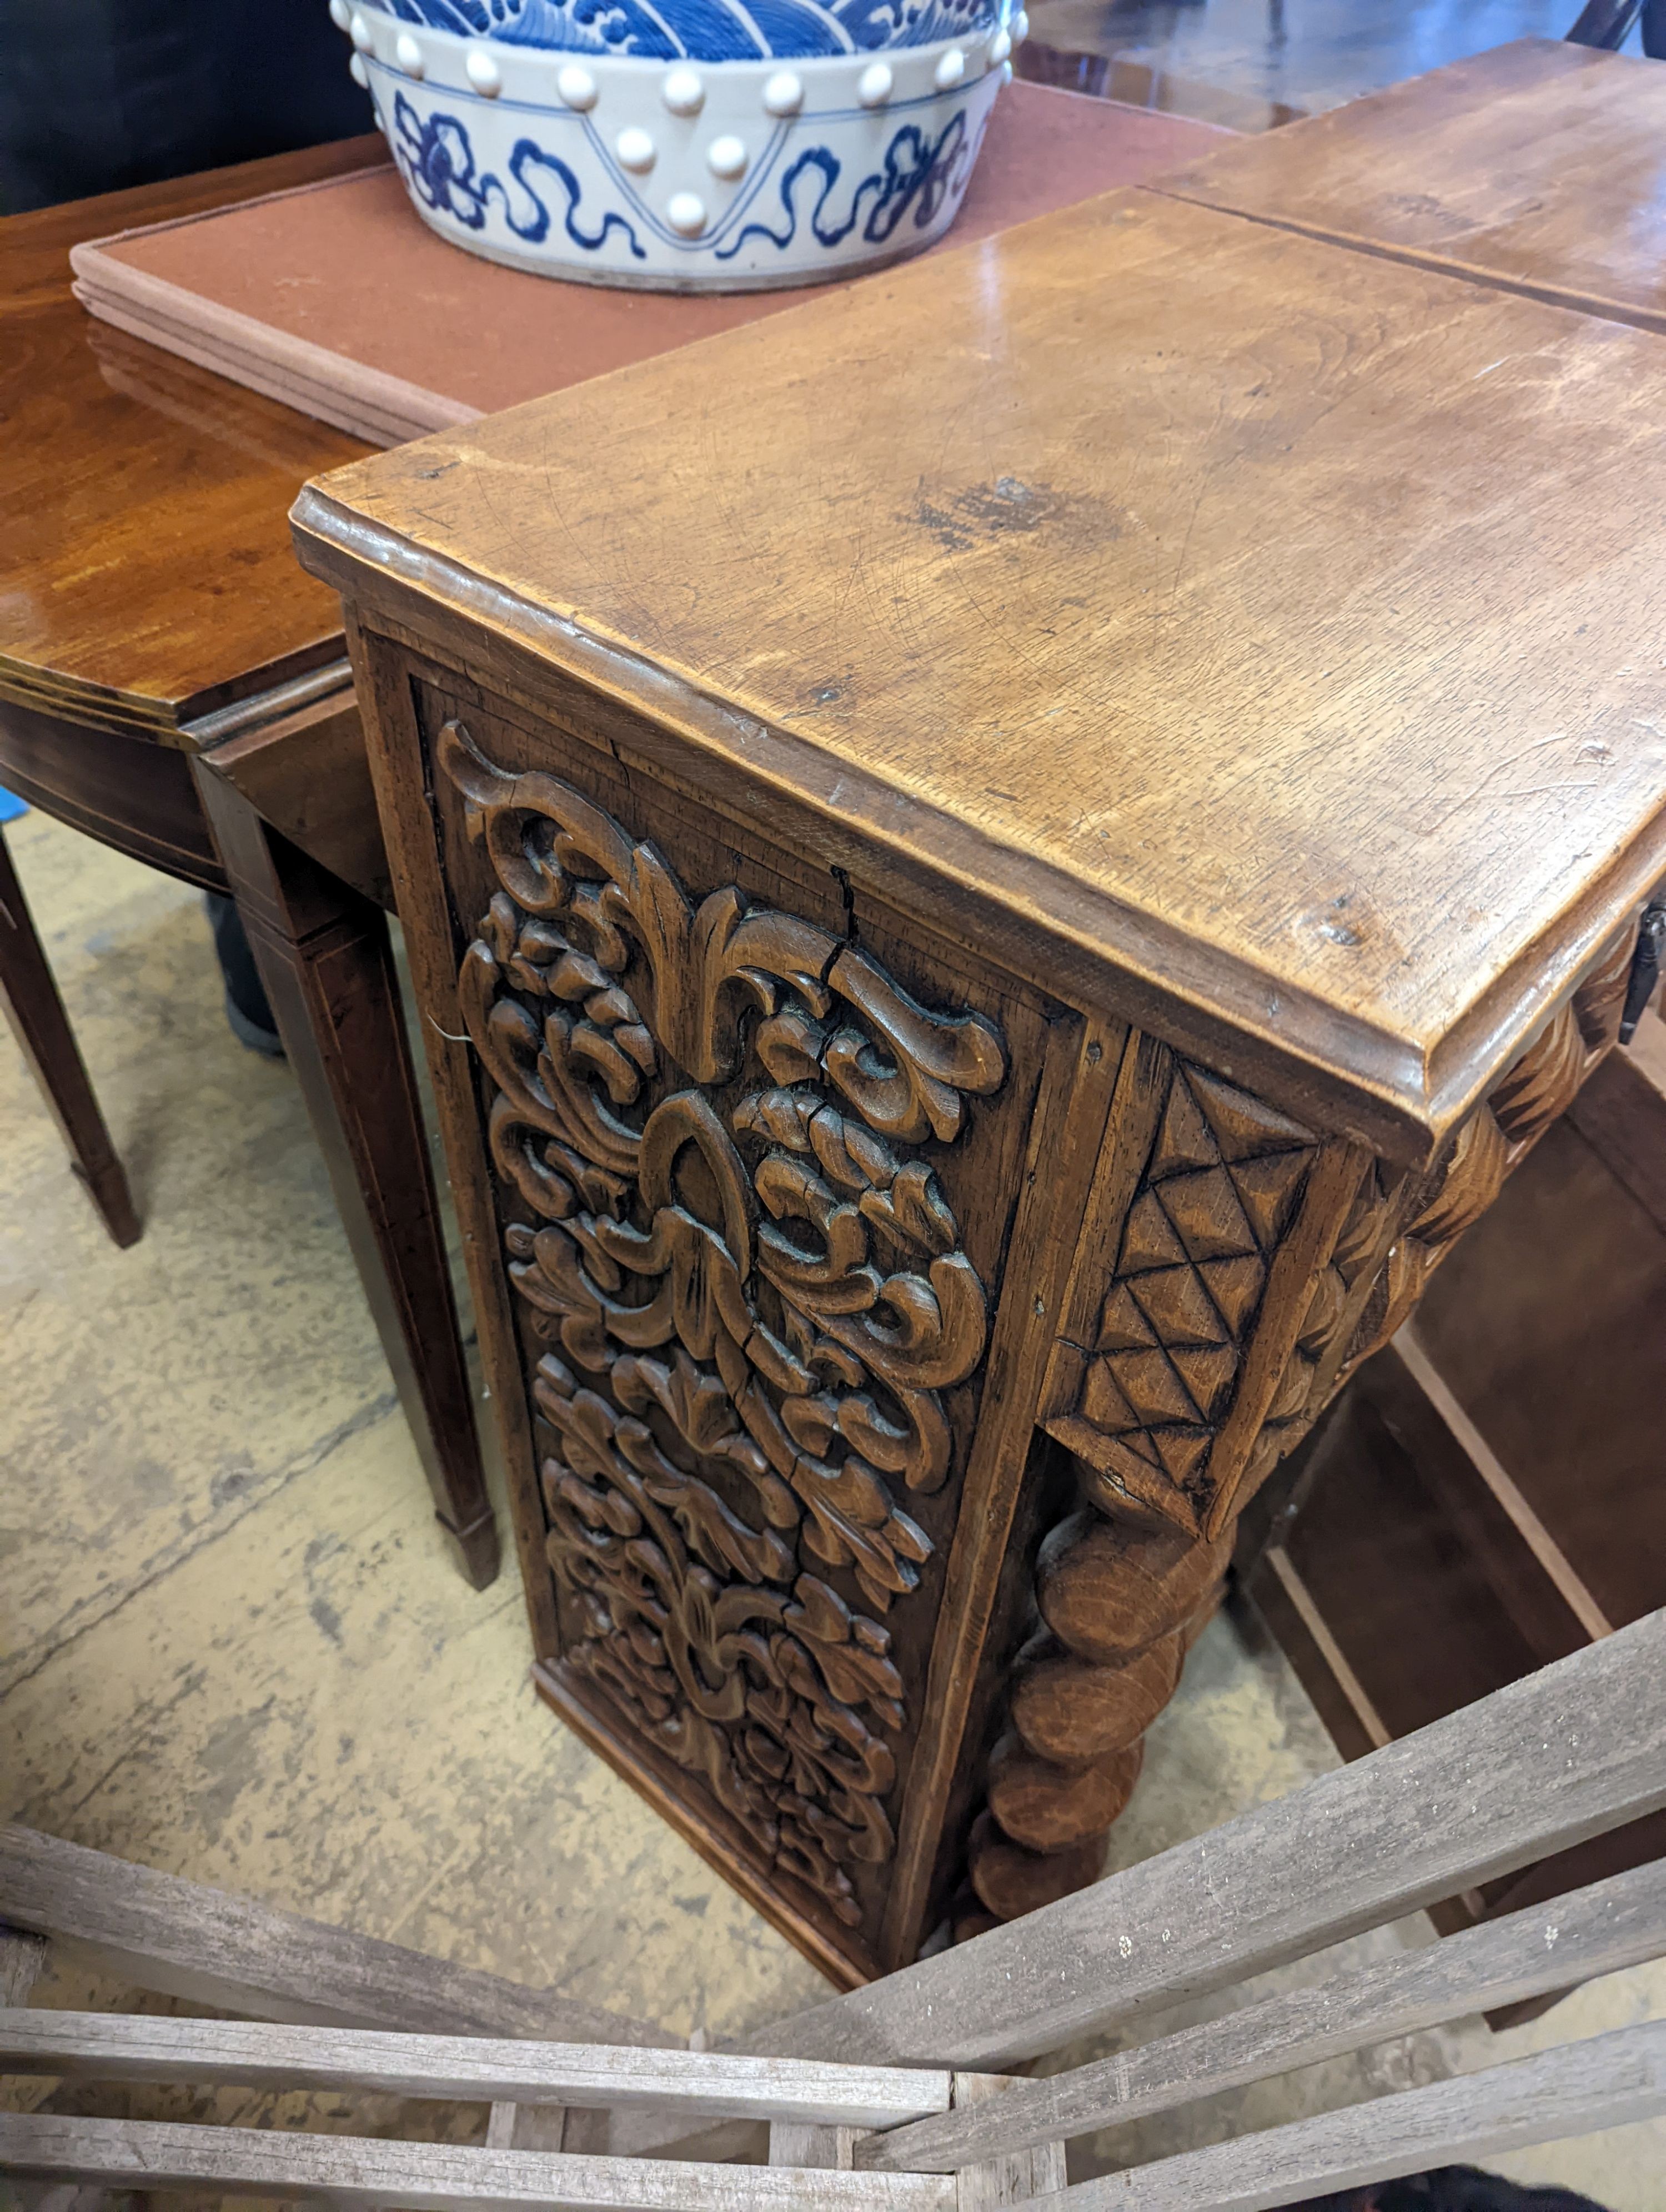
x=1486, y=1789
x=1577, y=2089
x=1571, y=1751
x=159, y=1932
x=117, y=2047
x=1597, y=1931
x=351, y=2170
x=1607, y=2081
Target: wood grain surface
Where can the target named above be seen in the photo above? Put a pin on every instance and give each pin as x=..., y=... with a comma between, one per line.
x=146, y=574
x=1006, y=2176
x=791, y=2144
x=1598, y=1930
x=158, y=1931
x=348, y=2170
x=22, y=1958
x=1247, y=625
x=1537, y=165
x=1578, y=2089
x=470, y=2069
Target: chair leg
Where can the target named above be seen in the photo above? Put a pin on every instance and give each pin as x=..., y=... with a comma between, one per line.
x=327, y=966
x=31, y=1005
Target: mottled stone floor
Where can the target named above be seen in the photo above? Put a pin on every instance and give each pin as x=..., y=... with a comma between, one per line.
x=232, y=1644
x=1305, y=54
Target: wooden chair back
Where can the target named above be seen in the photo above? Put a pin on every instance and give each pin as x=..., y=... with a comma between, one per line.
x=894, y=2098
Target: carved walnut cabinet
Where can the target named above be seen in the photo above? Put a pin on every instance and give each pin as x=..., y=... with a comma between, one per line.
x=994, y=867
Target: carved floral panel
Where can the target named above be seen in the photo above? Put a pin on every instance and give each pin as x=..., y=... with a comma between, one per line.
x=719, y=1128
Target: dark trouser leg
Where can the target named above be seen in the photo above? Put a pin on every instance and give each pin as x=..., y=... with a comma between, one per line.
x=247, y=1008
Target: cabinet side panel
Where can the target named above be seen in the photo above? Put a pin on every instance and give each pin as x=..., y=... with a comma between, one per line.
x=751, y=1149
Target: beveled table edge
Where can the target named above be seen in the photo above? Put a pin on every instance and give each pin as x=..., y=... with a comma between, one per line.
x=1373, y=1084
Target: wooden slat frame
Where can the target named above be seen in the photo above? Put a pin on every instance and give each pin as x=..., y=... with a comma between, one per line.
x=1608, y=2081
x=1577, y=2089
x=22, y=1957
x=124, y=2047
x=160, y=1932
x=830, y=2148
x=527, y=2127
x=351, y=2170
x=1007, y=2176
x=1597, y=1931
x=1576, y=1748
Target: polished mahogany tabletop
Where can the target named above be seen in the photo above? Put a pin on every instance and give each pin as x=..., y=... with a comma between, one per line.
x=146, y=575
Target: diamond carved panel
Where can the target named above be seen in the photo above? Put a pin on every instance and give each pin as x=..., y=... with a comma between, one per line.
x=1223, y=1180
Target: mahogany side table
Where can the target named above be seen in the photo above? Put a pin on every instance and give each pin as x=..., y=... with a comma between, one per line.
x=1017, y=852
x=170, y=684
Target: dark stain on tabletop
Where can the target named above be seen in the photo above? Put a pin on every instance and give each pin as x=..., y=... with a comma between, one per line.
x=1008, y=508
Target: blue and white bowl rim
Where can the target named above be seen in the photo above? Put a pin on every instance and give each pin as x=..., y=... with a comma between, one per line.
x=702, y=30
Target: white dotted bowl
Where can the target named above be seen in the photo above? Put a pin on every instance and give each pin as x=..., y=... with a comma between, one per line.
x=686, y=169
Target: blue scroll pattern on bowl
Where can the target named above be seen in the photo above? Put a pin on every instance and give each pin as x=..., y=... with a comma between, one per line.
x=702, y=30
x=917, y=171
x=439, y=164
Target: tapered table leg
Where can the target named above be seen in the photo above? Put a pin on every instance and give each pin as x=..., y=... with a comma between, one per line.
x=327, y=966
x=41, y=1025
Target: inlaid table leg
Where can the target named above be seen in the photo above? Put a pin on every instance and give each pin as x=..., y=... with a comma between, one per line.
x=34, y=1008
x=325, y=961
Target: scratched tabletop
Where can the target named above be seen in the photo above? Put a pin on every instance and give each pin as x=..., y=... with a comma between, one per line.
x=1263, y=621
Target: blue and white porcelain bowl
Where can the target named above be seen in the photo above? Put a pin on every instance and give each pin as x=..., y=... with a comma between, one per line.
x=684, y=145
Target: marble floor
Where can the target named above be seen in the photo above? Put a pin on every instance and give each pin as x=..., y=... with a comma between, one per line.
x=1301, y=54
x=231, y=1644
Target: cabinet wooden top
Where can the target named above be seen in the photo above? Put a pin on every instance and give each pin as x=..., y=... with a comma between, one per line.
x=1537, y=165
x=1271, y=624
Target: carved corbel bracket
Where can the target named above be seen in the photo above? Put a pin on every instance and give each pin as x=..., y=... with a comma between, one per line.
x=1234, y=1268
